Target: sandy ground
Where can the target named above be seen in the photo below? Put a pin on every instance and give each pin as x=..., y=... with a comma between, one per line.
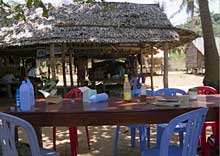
x=102, y=138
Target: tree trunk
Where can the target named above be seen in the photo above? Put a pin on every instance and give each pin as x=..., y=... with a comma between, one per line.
x=211, y=54
x=192, y=19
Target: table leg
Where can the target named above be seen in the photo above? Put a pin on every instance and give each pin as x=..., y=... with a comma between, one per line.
x=16, y=133
x=73, y=140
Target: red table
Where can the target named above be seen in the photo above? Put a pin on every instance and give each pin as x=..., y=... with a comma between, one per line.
x=114, y=112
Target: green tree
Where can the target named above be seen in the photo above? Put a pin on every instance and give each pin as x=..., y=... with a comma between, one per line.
x=215, y=17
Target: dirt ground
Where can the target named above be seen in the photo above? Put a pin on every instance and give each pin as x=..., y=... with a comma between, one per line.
x=178, y=80
x=102, y=138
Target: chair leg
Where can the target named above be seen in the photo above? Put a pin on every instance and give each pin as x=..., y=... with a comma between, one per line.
x=159, y=135
x=214, y=129
x=203, y=137
x=54, y=138
x=76, y=137
x=181, y=138
x=133, y=131
x=87, y=135
x=73, y=140
x=142, y=135
x=148, y=136
x=206, y=151
x=116, y=140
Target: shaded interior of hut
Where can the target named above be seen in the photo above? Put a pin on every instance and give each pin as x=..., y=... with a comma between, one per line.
x=80, y=67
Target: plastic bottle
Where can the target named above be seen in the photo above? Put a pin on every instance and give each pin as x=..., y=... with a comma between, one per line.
x=24, y=97
x=99, y=97
x=143, y=92
x=17, y=97
x=31, y=92
x=127, y=89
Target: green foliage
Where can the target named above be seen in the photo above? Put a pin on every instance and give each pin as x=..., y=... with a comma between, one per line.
x=197, y=25
x=14, y=10
x=177, y=54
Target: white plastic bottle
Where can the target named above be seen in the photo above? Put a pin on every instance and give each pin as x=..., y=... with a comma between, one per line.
x=24, y=97
x=31, y=92
x=143, y=92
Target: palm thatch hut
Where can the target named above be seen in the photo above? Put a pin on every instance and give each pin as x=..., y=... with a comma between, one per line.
x=195, y=54
x=97, y=30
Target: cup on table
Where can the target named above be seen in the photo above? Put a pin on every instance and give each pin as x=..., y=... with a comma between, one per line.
x=193, y=94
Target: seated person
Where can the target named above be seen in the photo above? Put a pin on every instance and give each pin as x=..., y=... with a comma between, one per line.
x=8, y=78
x=32, y=70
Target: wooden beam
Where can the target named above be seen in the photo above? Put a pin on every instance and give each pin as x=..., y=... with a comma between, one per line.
x=152, y=68
x=165, y=75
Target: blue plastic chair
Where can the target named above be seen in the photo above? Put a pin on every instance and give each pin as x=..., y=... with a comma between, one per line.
x=134, y=84
x=143, y=129
x=169, y=92
x=194, y=121
x=160, y=127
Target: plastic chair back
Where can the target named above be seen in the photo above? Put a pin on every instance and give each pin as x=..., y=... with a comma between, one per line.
x=169, y=92
x=206, y=90
x=74, y=93
x=134, y=83
x=149, y=92
x=8, y=124
x=135, y=91
x=194, y=120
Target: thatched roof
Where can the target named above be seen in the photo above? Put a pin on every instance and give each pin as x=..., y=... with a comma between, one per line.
x=199, y=44
x=122, y=23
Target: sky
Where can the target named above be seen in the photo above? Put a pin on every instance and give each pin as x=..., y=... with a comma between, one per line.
x=170, y=7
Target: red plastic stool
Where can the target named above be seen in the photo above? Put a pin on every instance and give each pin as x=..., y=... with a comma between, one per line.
x=203, y=134
x=206, y=146
x=76, y=94
x=206, y=90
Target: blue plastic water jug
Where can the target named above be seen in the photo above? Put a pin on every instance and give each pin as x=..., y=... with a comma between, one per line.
x=25, y=104
x=17, y=97
x=31, y=92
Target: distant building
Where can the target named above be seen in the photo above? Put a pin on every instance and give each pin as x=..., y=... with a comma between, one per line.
x=195, y=54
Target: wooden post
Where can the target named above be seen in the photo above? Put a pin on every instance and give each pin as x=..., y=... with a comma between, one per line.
x=53, y=66
x=71, y=66
x=142, y=49
x=48, y=69
x=165, y=75
x=152, y=68
x=64, y=49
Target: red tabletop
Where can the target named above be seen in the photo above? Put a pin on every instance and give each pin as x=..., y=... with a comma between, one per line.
x=114, y=112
